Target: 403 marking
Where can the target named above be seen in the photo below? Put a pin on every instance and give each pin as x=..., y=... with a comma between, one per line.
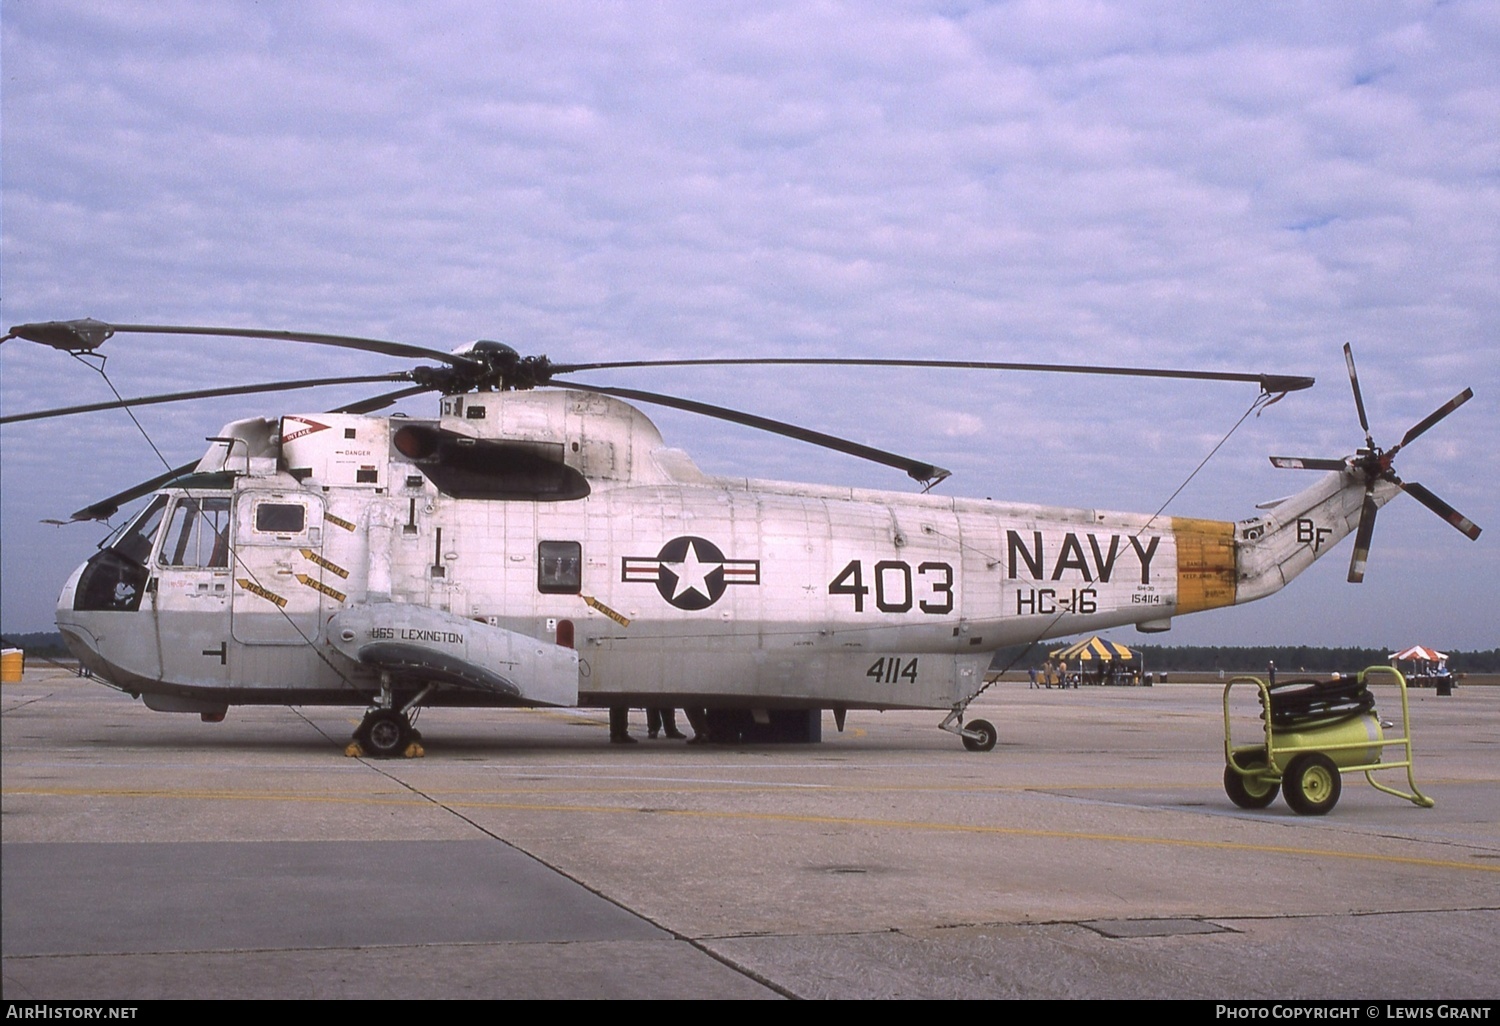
x=894, y=586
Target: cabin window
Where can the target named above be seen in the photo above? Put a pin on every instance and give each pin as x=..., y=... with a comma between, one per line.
x=280, y=517
x=559, y=568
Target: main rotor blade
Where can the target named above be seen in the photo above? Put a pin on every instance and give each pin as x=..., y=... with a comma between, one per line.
x=205, y=393
x=1433, y=417
x=87, y=334
x=1307, y=463
x=1268, y=382
x=380, y=402
x=916, y=469
x=1362, y=537
x=106, y=508
x=1460, y=523
x=1359, y=402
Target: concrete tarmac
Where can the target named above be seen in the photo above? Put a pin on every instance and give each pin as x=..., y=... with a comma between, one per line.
x=1092, y=854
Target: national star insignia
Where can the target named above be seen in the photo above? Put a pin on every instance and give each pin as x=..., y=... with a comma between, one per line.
x=692, y=573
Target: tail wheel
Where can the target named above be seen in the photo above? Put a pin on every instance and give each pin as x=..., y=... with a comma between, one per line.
x=384, y=733
x=986, y=739
x=1312, y=784
x=1250, y=792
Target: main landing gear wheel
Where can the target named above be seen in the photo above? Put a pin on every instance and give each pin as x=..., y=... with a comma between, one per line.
x=987, y=736
x=385, y=733
x=1312, y=784
x=1250, y=792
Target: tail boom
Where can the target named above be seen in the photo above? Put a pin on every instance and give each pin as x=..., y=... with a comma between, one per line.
x=1295, y=533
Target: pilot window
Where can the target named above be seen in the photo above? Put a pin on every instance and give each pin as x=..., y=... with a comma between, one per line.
x=136, y=541
x=559, y=568
x=280, y=517
x=197, y=534
x=115, y=578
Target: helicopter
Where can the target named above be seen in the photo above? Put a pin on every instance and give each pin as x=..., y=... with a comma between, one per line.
x=537, y=543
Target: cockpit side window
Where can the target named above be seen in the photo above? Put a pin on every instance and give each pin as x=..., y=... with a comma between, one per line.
x=197, y=534
x=136, y=541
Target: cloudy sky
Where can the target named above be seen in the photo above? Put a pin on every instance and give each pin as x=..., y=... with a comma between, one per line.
x=1225, y=186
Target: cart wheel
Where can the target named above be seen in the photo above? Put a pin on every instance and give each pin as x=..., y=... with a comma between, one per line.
x=987, y=736
x=1312, y=784
x=1252, y=792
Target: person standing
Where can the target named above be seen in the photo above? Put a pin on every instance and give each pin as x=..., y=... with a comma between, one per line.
x=662, y=719
x=619, y=726
x=698, y=720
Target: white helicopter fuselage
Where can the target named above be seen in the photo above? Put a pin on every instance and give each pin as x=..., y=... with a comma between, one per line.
x=546, y=548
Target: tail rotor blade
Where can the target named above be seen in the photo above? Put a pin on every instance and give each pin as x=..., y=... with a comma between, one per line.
x=1359, y=401
x=1307, y=463
x=1362, y=537
x=1460, y=523
x=1433, y=417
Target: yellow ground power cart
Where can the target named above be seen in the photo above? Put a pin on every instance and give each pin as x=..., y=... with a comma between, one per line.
x=1314, y=731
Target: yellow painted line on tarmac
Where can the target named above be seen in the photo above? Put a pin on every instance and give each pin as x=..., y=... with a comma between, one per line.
x=779, y=817
x=539, y=782
x=400, y=796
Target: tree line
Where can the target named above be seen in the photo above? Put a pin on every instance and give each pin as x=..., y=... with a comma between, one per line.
x=1253, y=658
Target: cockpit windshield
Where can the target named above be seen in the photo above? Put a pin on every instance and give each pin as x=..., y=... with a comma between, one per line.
x=134, y=543
x=115, y=577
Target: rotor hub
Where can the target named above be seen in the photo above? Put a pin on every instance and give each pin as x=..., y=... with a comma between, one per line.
x=488, y=366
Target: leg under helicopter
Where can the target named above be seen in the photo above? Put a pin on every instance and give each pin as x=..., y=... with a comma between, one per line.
x=978, y=736
x=386, y=731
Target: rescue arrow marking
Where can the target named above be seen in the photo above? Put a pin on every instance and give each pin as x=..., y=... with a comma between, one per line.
x=255, y=589
x=332, y=593
x=593, y=603
x=333, y=568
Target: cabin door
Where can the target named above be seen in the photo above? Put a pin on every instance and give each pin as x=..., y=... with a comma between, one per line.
x=193, y=578
x=279, y=586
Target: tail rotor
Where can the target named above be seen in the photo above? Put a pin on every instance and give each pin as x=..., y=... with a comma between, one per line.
x=1374, y=464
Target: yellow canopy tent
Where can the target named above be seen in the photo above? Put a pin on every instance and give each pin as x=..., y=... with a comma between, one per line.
x=1094, y=648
